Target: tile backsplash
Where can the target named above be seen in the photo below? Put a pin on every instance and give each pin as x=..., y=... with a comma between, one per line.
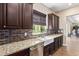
x=14, y=35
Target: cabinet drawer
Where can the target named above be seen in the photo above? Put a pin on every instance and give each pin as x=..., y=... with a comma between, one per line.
x=25, y=52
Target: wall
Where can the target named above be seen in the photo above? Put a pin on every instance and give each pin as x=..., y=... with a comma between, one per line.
x=63, y=17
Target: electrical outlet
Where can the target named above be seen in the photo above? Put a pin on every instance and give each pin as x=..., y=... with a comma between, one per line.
x=25, y=34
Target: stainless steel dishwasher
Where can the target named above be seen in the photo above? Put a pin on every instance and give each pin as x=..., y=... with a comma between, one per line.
x=37, y=50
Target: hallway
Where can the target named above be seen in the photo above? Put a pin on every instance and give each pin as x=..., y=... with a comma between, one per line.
x=72, y=48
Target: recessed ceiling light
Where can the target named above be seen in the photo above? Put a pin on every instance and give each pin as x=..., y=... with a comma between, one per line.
x=69, y=4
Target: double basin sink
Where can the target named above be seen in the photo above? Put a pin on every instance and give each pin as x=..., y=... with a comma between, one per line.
x=47, y=40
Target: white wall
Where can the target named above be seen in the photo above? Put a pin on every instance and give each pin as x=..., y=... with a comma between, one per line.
x=63, y=15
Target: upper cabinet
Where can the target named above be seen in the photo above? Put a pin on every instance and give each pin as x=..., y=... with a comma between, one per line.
x=15, y=16
x=1, y=15
x=56, y=22
x=53, y=22
x=39, y=18
x=27, y=16
x=43, y=20
x=50, y=21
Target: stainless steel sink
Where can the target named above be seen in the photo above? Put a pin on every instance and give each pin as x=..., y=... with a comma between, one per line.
x=47, y=40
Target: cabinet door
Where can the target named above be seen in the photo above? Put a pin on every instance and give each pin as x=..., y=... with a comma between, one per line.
x=36, y=19
x=13, y=17
x=61, y=41
x=50, y=22
x=27, y=16
x=46, y=50
x=39, y=18
x=56, y=43
x=1, y=15
x=25, y=52
x=56, y=23
x=51, y=48
x=43, y=20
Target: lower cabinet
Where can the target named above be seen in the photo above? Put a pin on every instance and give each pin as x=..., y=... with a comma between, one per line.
x=37, y=50
x=25, y=52
x=58, y=42
x=61, y=41
x=48, y=49
x=51, y=48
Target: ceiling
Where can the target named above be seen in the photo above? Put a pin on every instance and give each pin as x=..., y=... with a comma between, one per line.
x=57, y=7
x=74, y=18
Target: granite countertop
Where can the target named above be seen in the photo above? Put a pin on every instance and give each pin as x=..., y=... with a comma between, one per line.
x=13, y=47
x=10, y=48
x=55, y=35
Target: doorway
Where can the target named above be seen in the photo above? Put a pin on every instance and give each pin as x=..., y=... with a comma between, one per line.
x=72, y=26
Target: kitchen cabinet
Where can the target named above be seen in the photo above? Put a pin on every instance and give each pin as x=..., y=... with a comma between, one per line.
x=50, y=21
x=51, y=48
x=48, y=49
x=36, y=50
x=58, y=42
x=36, y=19
x=15, y=16
x=27, y=16
x=61, y=41
x=43, y=20
x=25, y=52
x=39, y=18
x=1, y=15
x=12, y=15
x=56, y=24
x=53, y=23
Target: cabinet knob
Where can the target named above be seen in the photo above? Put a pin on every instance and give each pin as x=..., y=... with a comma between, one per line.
x=4, y=26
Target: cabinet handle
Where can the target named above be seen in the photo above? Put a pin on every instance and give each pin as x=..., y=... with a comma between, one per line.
x=4, y=26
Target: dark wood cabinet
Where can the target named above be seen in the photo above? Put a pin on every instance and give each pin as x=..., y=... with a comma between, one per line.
x=27, y=16
x=56, y=24
x=43, y=20
x=25, y=52
x=1, y=15
x=51, y=48
x=36, y=19
x=46, y=50
x=53, y=23
x=61, y=41
x=39, y=18
x=50, y=21
x=58, y=42
x=15, y=15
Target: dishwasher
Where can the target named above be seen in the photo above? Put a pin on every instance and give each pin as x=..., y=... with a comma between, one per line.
x=37, y=50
